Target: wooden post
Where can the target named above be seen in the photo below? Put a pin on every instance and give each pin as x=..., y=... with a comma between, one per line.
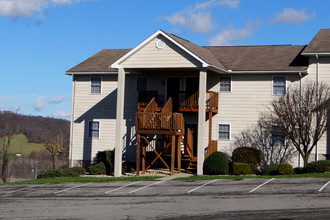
x=210, y=126
x=138, y=147
x=172, y=154
x=144, y=155
x=179, y=154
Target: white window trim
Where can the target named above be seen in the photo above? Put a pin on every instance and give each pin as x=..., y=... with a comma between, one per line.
x=231, y=84
x=136, y=89
x=89, y=129
x=90, y=85
x=286, y=85
x=229, y=132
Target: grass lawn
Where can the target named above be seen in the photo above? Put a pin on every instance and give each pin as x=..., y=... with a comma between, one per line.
x=306, y=175
x=79, y=179
x=20, y=145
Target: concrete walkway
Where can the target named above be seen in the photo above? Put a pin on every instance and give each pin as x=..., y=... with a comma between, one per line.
x=176, y=175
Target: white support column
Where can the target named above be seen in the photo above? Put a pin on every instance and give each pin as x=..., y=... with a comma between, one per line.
x=201, y=121
x=119, y=122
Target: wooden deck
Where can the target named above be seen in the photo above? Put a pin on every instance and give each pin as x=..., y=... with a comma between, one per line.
x=190, y=103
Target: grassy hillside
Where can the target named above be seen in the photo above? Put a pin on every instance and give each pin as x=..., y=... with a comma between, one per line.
x=20, y=145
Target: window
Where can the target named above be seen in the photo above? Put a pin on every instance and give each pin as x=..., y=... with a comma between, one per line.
x=95, y=85
x=279, y=85
x=141, y=83
x=94, y=129
x=224, y=131
x=277, y=138
x=225, y=84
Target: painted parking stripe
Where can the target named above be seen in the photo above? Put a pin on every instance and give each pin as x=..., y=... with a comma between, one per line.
x=121, y=187
x=147, y=186
x=71, y=188
x=262, y=185
x=18, y=190
x=323, y=187
x=205, y=184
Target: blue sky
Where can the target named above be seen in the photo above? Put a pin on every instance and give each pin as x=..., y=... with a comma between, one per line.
x=41, y=39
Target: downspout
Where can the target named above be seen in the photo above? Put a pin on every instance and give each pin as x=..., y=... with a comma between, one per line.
x=317, y=98
x=72, y=118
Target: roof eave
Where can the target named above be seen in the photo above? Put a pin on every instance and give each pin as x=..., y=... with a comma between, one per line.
x=314, y=54
x=267, y=71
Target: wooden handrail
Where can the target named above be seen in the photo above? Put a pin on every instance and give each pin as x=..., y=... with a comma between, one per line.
x=168, y=107
x=152, y=106
x=192, y=101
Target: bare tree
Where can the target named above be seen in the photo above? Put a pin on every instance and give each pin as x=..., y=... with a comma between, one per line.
x=297, y=117
x=273, y=147
x=56, y=145
x=8, y=129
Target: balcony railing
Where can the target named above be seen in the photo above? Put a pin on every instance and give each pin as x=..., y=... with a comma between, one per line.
x=147, y=122
x=188, y=103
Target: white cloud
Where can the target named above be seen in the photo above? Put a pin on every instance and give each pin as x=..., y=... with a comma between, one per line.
x=57, y=99
x=11, y=108
x=39, y=103
x=291, y=16
x=61, y=114
x=196, y=18
x=26, y=8
x=225, y=37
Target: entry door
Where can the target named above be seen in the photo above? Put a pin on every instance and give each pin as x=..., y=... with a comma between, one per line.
x=192, y=85
x=173, y=88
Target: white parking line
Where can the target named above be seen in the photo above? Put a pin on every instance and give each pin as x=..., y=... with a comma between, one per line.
x=325, y=185
x=21, y=189
x=121, y=187
x=201, y=186
x=262, y=185
x=71, y=188
x=146, y=186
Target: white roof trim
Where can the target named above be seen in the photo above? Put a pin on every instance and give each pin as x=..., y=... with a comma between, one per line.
x=89, y=73
x=117, y=63
x=314, y=54
x=268, y=71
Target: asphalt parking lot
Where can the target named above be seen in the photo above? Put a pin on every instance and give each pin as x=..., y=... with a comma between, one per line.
x=276, y=198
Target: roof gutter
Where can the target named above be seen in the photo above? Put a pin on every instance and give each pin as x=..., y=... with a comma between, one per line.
x=314, y=54
x=267, y=71
x=89, y=73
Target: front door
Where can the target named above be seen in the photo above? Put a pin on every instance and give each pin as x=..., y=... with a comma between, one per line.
x=173, y=89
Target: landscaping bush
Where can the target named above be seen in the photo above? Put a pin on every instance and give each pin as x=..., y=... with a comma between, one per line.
x=270, y=170
x=319, y=166
x=248, y=155
x=241, y=168
x=285, y=169
x=73, y=171
x=97, y=169
x=216, y=163
x=300, y=170
x=128, y=167
x=107, y=157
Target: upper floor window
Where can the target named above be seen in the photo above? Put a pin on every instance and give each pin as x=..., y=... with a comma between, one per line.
x=279, y=85
x=94, y=129
x=224, y=131
x=95, y=85
x=141, y=83
x=225, y=84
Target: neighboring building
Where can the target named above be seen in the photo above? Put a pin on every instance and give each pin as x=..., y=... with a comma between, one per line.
x=240, y=81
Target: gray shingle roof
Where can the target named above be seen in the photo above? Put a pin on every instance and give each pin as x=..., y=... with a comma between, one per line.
x=100, y=62
x=261, y=58
x=320, y=43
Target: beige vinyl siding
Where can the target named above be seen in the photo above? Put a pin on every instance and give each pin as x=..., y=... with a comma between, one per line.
x=150, y=56
x=102, y=108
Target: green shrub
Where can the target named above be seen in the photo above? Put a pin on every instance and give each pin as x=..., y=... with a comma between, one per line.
x=241, y=168
x=73, y=171
x=270, y=170
x=97, y=169
x=248, y=155
x=319, y=166
x=216, y=164
x=285, y=169
x=107, y=157
x=128, y=167
x=299, y=170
